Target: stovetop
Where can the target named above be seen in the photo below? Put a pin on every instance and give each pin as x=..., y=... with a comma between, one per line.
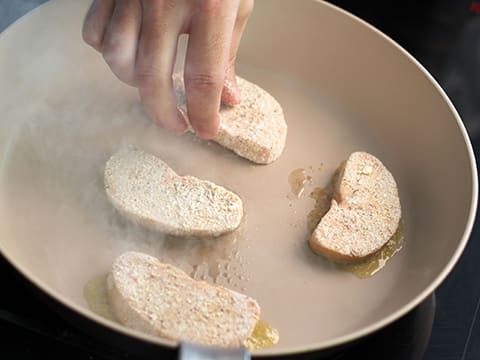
x=445, y=37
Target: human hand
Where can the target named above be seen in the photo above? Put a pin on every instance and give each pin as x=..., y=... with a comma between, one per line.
x=138, y=40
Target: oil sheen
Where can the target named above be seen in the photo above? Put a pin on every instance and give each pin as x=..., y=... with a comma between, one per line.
x=263, y=336
x=364, y=268
x=298, y=178
x=95, y=293
x=370, y=266
x=323, y=198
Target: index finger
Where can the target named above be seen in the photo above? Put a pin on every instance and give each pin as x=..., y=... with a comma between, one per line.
x=161, y=24
x=96, y=21
x=206, y=62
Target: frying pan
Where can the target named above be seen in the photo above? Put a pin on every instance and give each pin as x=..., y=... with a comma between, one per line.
x=343, y=85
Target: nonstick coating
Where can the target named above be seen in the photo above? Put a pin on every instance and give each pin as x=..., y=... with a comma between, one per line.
x=343, y=86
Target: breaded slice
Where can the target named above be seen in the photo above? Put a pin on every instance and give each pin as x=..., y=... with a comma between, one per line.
x=364, y=214
x=162, y=300
x=146, y=190
x=254, y=129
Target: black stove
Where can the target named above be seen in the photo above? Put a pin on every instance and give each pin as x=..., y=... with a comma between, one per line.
x=444, y=36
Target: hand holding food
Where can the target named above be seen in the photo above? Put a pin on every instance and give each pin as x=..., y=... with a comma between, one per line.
x=138, y=40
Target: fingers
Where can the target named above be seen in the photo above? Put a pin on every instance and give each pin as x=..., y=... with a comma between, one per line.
x=138, y=39
x=230, y=94
x=96, y=22
x=161, y=25
x=208, y=51
x=120, y=39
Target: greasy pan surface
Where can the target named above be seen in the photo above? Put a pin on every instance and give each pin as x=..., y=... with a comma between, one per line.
x=343, y=87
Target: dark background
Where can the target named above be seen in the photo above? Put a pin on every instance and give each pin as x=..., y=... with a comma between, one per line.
x=445, y=37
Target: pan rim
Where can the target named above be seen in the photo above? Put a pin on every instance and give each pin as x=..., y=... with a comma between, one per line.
x=323, y=345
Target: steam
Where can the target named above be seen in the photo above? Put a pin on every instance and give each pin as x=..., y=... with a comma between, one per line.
x=63, y=116
x=54, y=159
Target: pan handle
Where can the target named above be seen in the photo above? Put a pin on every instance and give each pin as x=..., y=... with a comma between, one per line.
x=197, y=352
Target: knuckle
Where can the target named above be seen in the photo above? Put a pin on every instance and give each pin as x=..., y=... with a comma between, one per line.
x=114, y=53
x=111, y=57
x=123, y=19
x=168, y=5
x=149, y=77
x=203, y=82
x=117, y=56
x=210, y=7
x=120, y=68
x=91, y=35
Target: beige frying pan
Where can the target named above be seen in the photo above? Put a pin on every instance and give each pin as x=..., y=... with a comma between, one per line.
x=343, y=86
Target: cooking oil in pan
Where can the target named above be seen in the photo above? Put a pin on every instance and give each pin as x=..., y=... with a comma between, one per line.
x=298, y=179
x=323, y=198
x=365, y=268
x=95, y=293
x=263, y=336
x=370, y=266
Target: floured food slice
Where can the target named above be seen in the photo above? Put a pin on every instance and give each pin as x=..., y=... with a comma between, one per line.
x=162, y=300
x=146, y=190
x=364, y=214
x=254, y=129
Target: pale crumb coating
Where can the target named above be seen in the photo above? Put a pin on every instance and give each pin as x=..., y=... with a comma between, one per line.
x=146, y=190
x=364, y=214
x=162, y=300
x=254, y=129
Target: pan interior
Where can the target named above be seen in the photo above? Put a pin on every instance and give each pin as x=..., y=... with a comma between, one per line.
x=64, y=114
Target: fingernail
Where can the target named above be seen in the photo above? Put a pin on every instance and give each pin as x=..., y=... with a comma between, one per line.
x=207, y=133
x=230, y=93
